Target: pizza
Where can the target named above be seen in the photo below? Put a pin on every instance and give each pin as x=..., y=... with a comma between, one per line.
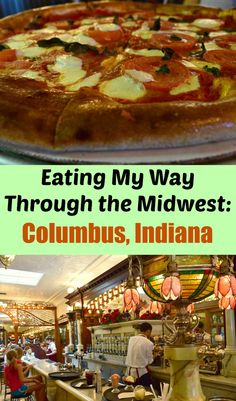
x=117, y=75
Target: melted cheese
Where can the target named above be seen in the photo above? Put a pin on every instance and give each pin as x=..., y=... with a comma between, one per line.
x=107, y=27
x=189, y=28
x=33, y=51
x=85, y=40
x=233, y=47
x=143, y=33
x=140, y=76
x=190, y=85
x=199, y=65
x=145, y=52
x=88, y=21
x=226, y=86
x=129, y=24
x=69, y=68
x=89, y=82
x=19, y=44
x=32, y=75
x=123, y=87
x=218, y=33
x=212, y=46
x=112, y=61
x=207, y=23
x=184, y=32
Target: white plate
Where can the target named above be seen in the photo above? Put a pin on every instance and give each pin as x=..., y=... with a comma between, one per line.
x=224, y=151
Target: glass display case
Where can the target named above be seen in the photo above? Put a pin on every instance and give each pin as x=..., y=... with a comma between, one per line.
x=217, y=325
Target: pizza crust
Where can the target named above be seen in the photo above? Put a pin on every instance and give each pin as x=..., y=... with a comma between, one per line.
x=106, y=124
x=47, y=119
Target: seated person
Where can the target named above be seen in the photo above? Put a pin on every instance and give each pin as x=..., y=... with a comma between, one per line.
x=18, y=383
x=25, y=366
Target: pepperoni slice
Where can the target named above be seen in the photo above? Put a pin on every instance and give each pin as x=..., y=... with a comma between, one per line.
x=178, y=42
x=226, y=40
x=8, y=55
x=67, y=15
x=166, y=75
x=226, y=58
x=105, y=37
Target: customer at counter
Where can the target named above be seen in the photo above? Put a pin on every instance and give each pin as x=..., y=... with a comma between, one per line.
x=140, y=355
x=38, y=351
x=202, y=336
x=51, y=349
x=18, y=383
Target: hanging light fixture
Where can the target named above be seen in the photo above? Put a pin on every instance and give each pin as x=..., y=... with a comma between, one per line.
x=190, y=308
x=171, y=287
x=131, y=295
x=7, y=260
x=225, y=286
x=156, y=307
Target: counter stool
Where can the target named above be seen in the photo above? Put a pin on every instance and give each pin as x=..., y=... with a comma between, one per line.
x=28, y=397
x=1, y=375
x=7, y=392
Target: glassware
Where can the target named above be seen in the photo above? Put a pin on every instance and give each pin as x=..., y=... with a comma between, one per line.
x=129, y=381
x=89, y=375
x=115, y=383
x=139, y=393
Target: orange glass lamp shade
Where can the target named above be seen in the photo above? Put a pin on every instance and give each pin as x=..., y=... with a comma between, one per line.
x=131, y=299
x=190, y=308
x=225, y=290
x=156, y=307
x=171, y=288
x=196, y=274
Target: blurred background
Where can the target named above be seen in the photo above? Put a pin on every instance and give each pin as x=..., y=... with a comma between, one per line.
x=13, y=6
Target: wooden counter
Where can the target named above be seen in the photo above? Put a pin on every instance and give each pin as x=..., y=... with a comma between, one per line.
x=58, y=390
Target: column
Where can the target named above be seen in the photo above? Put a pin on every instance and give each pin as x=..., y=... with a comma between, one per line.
x=72, y=328
x=229, y=361
x=16, y=333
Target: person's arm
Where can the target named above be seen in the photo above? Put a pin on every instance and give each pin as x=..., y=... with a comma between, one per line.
x=21, y=375
x=26, y=368
x=149, y=353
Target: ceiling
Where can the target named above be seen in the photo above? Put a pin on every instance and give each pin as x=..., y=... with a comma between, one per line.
x=59, y=273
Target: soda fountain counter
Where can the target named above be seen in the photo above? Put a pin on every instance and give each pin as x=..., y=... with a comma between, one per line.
x=58, y=390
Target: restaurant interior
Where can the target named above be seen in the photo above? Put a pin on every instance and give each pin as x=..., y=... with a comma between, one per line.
x=90, y=306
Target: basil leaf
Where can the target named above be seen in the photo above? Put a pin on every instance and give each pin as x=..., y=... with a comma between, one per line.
x=203, y=36
x=173, y=19
x=129, y=18
x=175, y=38
x=76, y=47
x=36, y=22
x=164, y=69
x=229, y=29
x=199, y=53
x=116, y=19
x=3, y=47
x=168, y=53
x=212, y=70
x=51, y=42
x=70, y=22
x=109, y=52
x=157, y=25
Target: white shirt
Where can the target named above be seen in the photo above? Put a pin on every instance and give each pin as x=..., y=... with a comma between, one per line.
x=52, y=347
x=140, y=354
